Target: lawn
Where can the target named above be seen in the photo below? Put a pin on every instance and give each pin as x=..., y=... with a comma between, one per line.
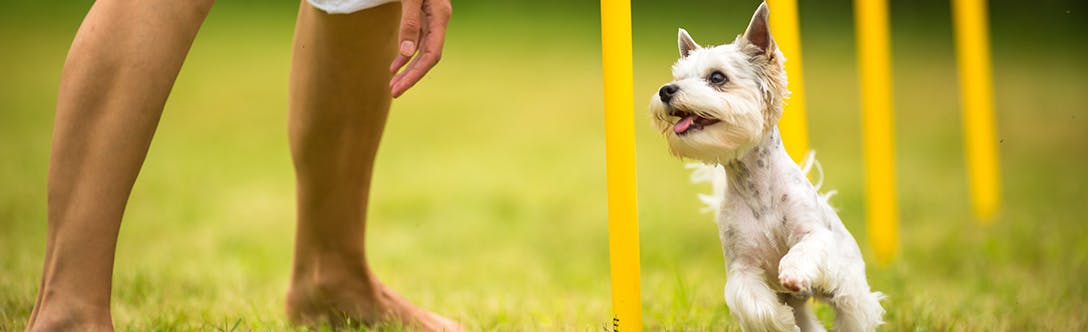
x=489, y=196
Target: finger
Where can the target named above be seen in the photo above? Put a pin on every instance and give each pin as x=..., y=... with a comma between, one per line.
x=415, y=71
x=437, y=14
x=410, y=26
x=398, y=62
x=427, y=58
x=431, y=51
x=412, y=62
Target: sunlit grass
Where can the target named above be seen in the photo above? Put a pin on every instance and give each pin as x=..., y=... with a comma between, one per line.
x=488, y=201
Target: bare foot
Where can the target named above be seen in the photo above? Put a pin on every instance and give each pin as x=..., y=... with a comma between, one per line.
x=69, y=320
x=374, y=304
x=66, y=325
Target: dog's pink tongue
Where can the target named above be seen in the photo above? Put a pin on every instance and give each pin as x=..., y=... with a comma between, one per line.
x=681, y=126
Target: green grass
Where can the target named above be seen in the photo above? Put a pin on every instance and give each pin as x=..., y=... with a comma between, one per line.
x=489, y=196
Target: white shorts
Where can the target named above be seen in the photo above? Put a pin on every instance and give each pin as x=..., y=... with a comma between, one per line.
x=346, y=6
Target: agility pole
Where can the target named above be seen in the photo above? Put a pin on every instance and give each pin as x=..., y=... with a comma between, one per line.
x=976, y=96
x=878, y=136
x=786, y=29
x=620, y=158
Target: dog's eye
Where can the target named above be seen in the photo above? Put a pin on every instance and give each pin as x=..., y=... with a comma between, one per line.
x=717, y=78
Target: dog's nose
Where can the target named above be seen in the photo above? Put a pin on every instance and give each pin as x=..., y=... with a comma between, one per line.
x=666, y=92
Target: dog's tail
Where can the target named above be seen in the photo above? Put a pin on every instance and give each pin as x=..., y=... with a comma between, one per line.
x=715, y=176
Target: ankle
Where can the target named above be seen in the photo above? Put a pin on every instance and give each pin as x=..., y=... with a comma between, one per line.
x=330, y=269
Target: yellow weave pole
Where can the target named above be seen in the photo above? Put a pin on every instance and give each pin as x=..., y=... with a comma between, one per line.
x=619, y=121
x=787, y=34
x=874, y=60
x=976, y=94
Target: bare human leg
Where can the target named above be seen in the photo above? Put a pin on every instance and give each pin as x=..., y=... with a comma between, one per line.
x=339, y=100
x=115, y=81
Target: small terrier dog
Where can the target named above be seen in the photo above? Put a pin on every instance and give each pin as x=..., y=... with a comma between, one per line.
x=782, y=242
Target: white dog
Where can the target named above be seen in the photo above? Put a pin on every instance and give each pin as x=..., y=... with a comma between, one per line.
x=782, y=242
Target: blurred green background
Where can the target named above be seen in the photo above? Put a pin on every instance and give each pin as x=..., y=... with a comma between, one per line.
x=489, y=196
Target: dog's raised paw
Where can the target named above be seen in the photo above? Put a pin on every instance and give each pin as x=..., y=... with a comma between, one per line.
x=794, y=283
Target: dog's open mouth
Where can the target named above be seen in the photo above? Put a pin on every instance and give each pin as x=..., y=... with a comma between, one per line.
x=690, y=122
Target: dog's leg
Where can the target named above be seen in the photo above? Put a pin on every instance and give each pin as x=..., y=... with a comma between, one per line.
x=801, y=267
x=754, y=304
x=802, y=313
x=856, y=308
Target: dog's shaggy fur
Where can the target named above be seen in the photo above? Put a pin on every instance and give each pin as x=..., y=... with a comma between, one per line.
x=783, y=243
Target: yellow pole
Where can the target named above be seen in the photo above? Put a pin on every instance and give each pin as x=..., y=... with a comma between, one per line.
x=973, y=55
x=874, y=59
x=619, y=121
x=787, y=34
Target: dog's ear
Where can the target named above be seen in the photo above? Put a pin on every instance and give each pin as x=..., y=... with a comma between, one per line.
x=686, y=43
x=759, y=31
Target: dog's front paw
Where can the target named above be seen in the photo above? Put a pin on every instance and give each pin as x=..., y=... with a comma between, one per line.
x=795, y=283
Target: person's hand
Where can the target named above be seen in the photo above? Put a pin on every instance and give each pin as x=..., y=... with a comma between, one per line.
x=422, y=31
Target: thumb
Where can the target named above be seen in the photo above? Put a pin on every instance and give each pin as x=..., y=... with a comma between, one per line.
x=411, y=23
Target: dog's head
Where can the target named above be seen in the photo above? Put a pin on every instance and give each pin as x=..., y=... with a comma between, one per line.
x=723, y=100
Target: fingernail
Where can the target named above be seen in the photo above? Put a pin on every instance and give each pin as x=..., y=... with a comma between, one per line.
x=407, y=47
